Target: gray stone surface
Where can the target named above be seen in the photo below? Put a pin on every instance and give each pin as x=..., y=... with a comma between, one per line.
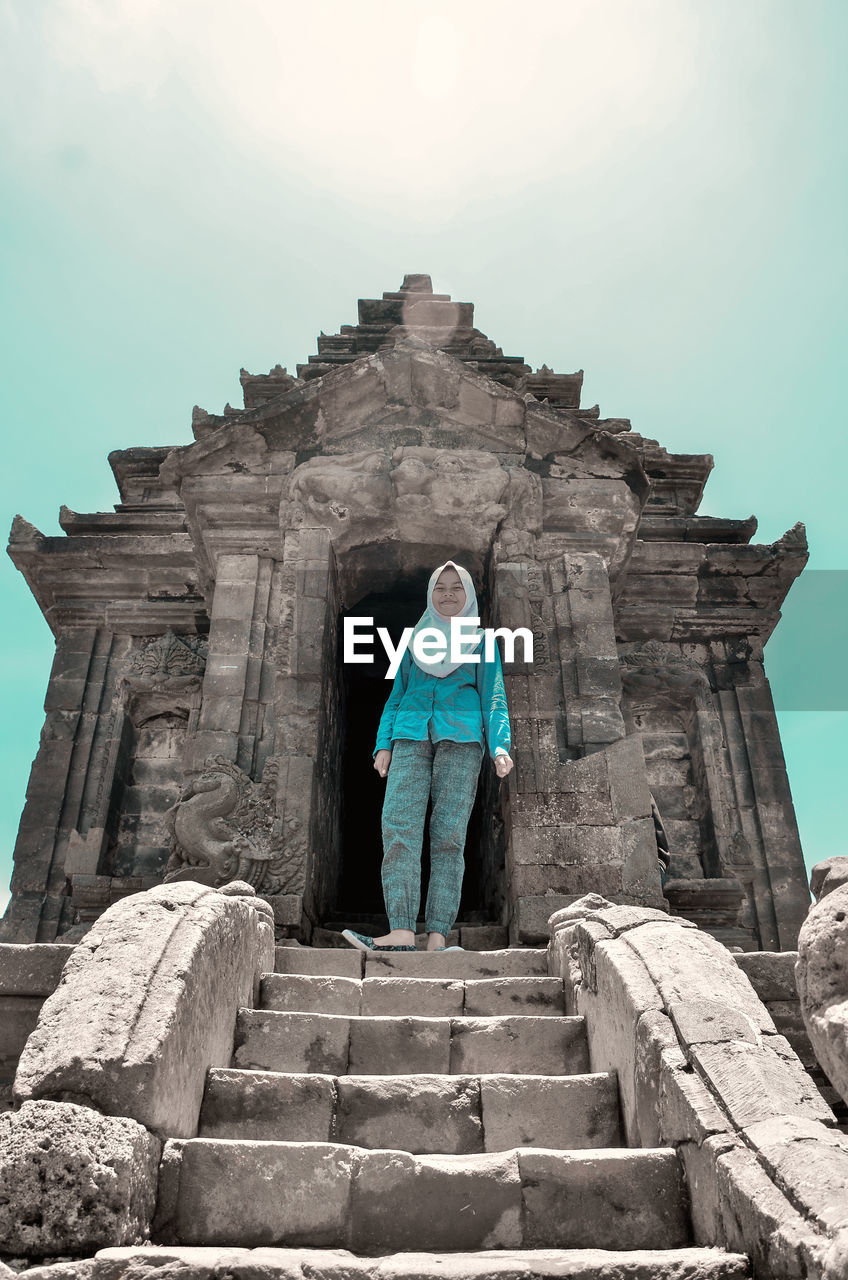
x=518, y=1045
x=609, y=1199
x=320, y=961
x=419, y=1114
x=568, y=1113
x=822, y=977
x=400, y=1046
x=708, y=1074
x=441, y=997
x=496, y=997
x=73, y=1180
x=18, y=1017
x=828, y=875
x=406, y=1202
x=268, y=1106
x=510, y=963
x=267, y=1041
x=302, y=994
x=288, y=1193
x=488, y=1264
x=770, y=973
x=32, y=970
x=147, y=1003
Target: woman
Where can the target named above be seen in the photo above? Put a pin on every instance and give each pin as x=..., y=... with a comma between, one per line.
x=437, y=718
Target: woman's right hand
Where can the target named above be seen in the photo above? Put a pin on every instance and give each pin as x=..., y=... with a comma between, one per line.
x=382, y=760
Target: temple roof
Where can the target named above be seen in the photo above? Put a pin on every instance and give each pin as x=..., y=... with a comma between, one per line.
x=415, y=310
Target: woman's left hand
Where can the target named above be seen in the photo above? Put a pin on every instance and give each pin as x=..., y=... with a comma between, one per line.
x=503, y=765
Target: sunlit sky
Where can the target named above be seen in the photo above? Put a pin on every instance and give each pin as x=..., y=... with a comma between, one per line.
x=654, y=192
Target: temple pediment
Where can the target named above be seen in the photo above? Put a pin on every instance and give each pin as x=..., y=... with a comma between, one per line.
x=412, y=395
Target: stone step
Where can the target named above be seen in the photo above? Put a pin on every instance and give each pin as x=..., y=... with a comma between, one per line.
x=447, y=1115
x=441, y=997
x=512, y=962
x=338, y=1045
x=336, y=1196
x=488, y=1264
x=472, y=936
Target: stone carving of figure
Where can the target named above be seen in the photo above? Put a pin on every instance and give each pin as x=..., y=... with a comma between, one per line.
x=223, y=829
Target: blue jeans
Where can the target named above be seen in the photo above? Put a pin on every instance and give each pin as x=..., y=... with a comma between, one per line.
x=448, y=772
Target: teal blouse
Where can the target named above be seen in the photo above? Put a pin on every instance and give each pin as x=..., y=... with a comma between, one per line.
x=467, y=705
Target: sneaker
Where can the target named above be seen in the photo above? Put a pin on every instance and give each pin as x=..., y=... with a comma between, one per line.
x=449, y=948
x=363, y=943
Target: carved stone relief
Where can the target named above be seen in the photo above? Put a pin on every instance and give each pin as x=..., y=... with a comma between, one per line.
x=369, y=496
x=224, y=827
x=169, y=655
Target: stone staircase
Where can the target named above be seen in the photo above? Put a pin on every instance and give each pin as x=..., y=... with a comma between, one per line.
x=437, y=1110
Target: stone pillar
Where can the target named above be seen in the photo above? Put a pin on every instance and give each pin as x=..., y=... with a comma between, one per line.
x=56, y=786
x=766, y=814
x=591, y=677
x=307, y=716
x=231, y=710
x=579, y=804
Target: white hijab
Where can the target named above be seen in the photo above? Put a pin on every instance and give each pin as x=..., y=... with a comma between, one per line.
x=432, y=618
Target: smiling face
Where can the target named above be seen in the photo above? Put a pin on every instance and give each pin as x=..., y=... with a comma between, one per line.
x=449, y=593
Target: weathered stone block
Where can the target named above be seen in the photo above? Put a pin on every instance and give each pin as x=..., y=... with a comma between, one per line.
x=607, y=1200
x=754, y=1214
x=628, y=779
x=497, y=997
x=325, y=961
x=686, y=1111
x=403, y=1202
x=287, y=908
x=147, y=1003
x=457, y=964
x=399, y=1046
x=268, y=1041
x=518, y=1045
x=678, y=969
x=710, y=1022
x=758, y=1082
x=268, y=1106
x=32, y=970
x=532, y=912
x=438, y=997
x=810, y=1163
x=483, y=937
x=822, y=977
x=18, y=1017
x=420, y=1114
x=73, y=1180
x=622, y=993
x=297, y=993
x=569, y=1113
x=288, y=1193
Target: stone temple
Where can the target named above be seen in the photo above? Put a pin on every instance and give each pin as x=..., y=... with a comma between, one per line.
x=622, y=1073
x=198, y=671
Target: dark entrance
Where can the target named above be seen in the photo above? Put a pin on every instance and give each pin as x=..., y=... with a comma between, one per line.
x=364, y=690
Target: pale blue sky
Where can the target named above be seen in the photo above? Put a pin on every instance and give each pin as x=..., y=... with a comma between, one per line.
x=654, y=192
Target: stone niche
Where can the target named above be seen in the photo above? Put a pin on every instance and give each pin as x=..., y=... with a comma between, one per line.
x=201, y=725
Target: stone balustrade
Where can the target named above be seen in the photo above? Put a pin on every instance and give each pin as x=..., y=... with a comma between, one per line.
x=701, y=1068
